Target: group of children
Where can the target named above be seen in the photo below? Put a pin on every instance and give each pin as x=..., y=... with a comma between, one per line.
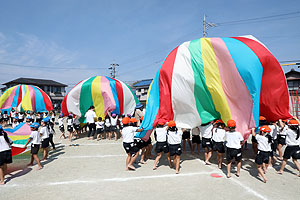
x=267, y=139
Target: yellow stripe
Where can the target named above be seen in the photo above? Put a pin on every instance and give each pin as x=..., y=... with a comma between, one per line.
x=6, y=95
x=97, y=97
x=19, y=137
x=149, y=90
x=213, y=79
x=26, y=101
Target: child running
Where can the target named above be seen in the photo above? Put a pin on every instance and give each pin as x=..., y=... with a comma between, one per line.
x=161, y=143
x=174, y=141
x=128, y=143
x=292, y=142
x=35, y=140
x=5, y=154
x=234, y=141
x=45, y=137
x=61, y=126
x=264, y=141
x=218, y=137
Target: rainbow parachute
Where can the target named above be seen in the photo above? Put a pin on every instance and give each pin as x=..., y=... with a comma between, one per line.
x=218, y=78
x=105, y=93
x=19, y=136
x=25, y=97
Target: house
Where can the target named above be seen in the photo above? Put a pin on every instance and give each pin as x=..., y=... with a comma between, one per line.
x=293, y=83
x=55, y=90
x=141, y=89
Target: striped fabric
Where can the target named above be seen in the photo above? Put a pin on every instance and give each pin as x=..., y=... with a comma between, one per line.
x=217, y=78
x=105, y=93
x=25, y=97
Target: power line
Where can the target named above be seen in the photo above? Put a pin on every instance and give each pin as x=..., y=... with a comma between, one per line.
x=289, y=61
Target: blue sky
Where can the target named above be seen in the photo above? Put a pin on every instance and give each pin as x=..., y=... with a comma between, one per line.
x=89, y=35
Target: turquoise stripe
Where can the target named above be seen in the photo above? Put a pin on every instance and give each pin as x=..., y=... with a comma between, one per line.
x=113, y=87
x=250, y=69
x=39, y=101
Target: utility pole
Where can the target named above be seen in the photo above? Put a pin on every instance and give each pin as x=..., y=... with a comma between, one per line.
x=207, y=25
x=113, y=69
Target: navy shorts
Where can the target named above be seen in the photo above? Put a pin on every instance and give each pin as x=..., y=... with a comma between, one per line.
x=196, y=139
x=5, y=157
x=162, y=147
x=206, y=143
x=233, y=154
x=62, y=128
x=186, y=135
x=262, y=157
x=45, y=143
x=281, y=139
x=218, y=146
x=70, y=128
x=175, y=149
x=291, y=151
x=35, y=148
x=130, y=148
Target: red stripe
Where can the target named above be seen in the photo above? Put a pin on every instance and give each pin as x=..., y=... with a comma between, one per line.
x=16, y=150
x=274, y=96
x=165, y=110
x=20, y=95
x=64, y=107
x=120, y=95
x=48, y=103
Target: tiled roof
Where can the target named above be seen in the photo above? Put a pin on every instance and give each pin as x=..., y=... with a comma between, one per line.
x=145, y=82
x=34, y=81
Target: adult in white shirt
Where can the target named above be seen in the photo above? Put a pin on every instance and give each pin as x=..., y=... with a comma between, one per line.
x=264, y=141
x=5, y=154
x=174, y=141
x=35, y=140
x=206, y=132
x=44, y=132
x=218, y=137
x=130, y=147
x=161, y=143
x=292, y=142
x=90, y=120
x=234, y=140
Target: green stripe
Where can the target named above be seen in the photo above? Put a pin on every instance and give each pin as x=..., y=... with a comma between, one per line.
x=21, y=141
x=86, y=99
x=204, y=102
x=135, y=98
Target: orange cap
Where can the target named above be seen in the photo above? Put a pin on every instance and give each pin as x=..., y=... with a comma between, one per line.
x=171, y=124
x=125, y=120
x=265, y=129
x=142, y=118
x=133, y=120
x=261, y=118
x=161, y=122
x=219, y=121
x=293, y=122
x=231, y=123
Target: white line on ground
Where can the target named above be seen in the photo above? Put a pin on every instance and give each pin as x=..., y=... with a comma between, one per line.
x=95, y=144
x=248, y=189
x=95, y=156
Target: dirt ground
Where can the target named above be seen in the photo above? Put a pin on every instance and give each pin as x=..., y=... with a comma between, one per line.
x=96, y=170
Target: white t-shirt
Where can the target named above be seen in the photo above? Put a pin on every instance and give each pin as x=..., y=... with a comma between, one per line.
x=196, y=131
x=263, y=143
x=291, y=138
x=218, y=135
x=90, y=116
x=36, y=139
x=107, y=122
x=44, y=132
x=14, y=124
x=60, y=121
x=12, y=114
x=206, y=131
x=233, y=139
x=161, y=134
x=21, y=116
x=99, y=125
x=114, y=121
x=3, y=144
x=174, y=137
x=283, y=131
x=274, y=131
x=69, y=122
x=128, y=133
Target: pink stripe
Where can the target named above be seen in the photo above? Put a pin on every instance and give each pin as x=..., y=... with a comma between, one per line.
x=8, y=102
x=24, y=130
x=32, y=96
x=109, y=101
x=236, y=91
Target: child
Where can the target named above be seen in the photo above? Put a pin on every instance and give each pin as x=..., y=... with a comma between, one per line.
x=262, y=122
x=186, y=137
x=218, y=141
x=196, y=140
x=100, y=128
x=5, y=154
x=70, y=127
x=264, y=149
x=5, y=118
x=35, y=140
x=44, y=132
x=206, y=133
x=53, y=116
x=128, y=143
x=21, y=117
x=139, y=143
x=161, y=143
x=174, y=141
x=28, y=120
x=76, y=125
x=107, y=127
x=234, y=141
x=281, y=137
x=61, y=126
x=12, y=115
x=50, y=126
x=114, y=120
x=274, y=132
x=15, y=122
x=292, y=141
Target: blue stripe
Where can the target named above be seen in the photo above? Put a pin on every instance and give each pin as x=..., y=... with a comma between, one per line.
x=113, y=87
x=250, y=69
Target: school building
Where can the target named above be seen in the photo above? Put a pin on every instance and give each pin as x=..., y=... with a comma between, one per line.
x=141, y=89
x=293, y=82
x=55, y=90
